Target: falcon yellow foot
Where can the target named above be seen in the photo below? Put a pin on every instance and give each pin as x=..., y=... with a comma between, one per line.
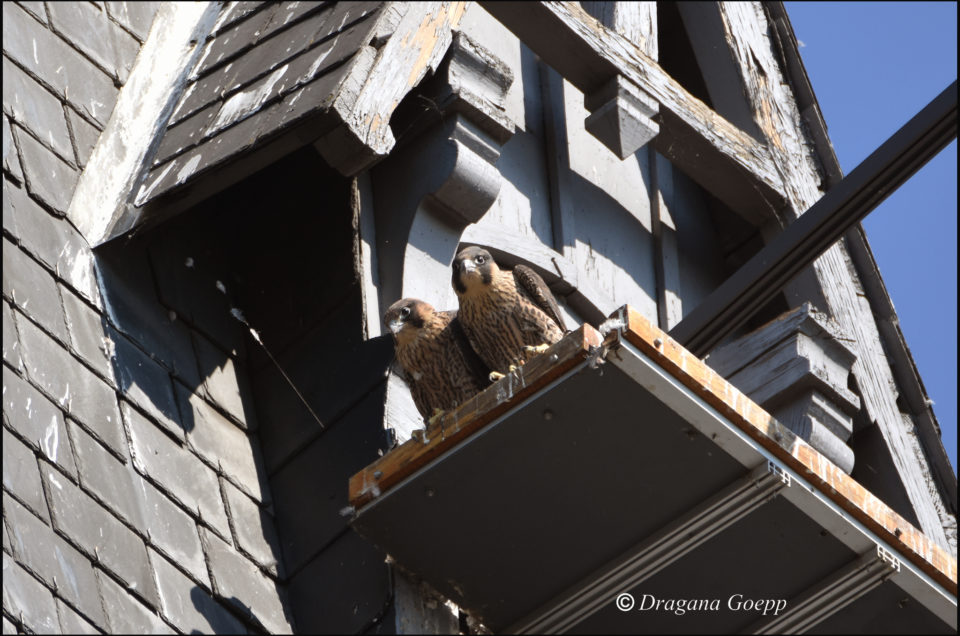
x=437, y=414
x=496, y=375
x=537, y=349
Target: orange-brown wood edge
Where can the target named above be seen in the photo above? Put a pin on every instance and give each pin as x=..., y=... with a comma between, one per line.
x=794, y=452
x=472, y=416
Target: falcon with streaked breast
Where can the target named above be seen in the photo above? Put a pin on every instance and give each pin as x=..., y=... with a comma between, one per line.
x=439, y=366
x=507, y=315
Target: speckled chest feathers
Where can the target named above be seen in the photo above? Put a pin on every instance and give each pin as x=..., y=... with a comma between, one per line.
x=437, y=368
x=500, y=318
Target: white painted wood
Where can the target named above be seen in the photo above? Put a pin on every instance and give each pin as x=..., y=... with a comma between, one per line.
x=777, y=116
x=143, y=106
x=636, y=21
x=366, y=253
x=418, y=44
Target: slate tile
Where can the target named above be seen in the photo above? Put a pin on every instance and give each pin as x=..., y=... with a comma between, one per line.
x=11, y=158
x=188, y=607
x=21, y=476
x=87, y=335
x=53, y=560
x=176, y=470
x=329, y=388
x=318, y=474
x=47, y=176
x=71, y=76
x=132, y=307
x=37, y=109
x=126, y=614
x=363, y=590
x=265, y=57
x=145, y=383
x=166, y=526
x=36, y=10
x=232, y=13
x=135, y=16
x=53, y=242
x=33, y=289
x=99, y=534
x=112, y=481
x=194, y=279
x=237, y=580
x=254, y=527
x=85, y=135
x=27, y=598
x=284, y=75
x=225, y=382
x=11, y=341
x=224, y=445
x=232, y=40
x=71, y=385
x=90, y=31
x=73, y=623
x=37, y=420
x=184, y=135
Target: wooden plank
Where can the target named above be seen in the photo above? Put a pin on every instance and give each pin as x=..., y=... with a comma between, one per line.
x=473, y=415
x=792, y=451
x=416, y=47
x=720, y=157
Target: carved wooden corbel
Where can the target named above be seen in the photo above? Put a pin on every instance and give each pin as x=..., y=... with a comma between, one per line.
x=621, y=116
x=796, y=367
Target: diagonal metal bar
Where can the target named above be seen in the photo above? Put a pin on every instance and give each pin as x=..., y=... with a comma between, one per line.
x=824, y=223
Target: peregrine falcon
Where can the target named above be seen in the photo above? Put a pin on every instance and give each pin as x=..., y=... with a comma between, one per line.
x=506, y=315
x=439, y=366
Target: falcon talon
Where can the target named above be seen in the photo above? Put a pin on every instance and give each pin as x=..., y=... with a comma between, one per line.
x=495, y=375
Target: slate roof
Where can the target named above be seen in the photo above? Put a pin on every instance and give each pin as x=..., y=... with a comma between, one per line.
x=266, y=68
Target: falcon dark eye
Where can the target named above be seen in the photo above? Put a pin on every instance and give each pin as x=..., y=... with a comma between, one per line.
x=479, y=260
x=404, y=312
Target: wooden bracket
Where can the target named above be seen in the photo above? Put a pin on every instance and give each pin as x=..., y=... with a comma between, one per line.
x=621, y=116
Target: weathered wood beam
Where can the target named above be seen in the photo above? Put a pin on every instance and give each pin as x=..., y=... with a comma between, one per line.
x=723, y=159
x=870, y=183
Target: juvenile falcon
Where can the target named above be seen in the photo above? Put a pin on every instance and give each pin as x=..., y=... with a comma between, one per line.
x=507, y=315
x=439, y=366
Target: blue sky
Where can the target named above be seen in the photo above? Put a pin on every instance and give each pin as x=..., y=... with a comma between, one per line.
x=873, y=65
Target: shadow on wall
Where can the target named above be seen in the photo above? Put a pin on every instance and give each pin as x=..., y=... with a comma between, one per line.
x=279, y=248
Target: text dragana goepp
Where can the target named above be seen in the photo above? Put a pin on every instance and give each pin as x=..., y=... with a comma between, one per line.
x=735, y=602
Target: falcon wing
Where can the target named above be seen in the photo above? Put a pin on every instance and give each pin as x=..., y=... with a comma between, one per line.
x=477, y=368
x=533, y=286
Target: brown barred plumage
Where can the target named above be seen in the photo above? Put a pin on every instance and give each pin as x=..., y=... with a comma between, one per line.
x=503, y=311
x=439, y=366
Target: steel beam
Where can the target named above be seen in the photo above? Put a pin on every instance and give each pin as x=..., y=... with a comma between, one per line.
x=823, y=224
x=830, y=595
x=657, y=552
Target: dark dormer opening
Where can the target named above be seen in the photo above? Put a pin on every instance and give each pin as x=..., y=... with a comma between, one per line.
x=676, y=54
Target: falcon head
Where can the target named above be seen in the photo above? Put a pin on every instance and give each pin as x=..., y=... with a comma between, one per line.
x=472, y=268
x=406, y=317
